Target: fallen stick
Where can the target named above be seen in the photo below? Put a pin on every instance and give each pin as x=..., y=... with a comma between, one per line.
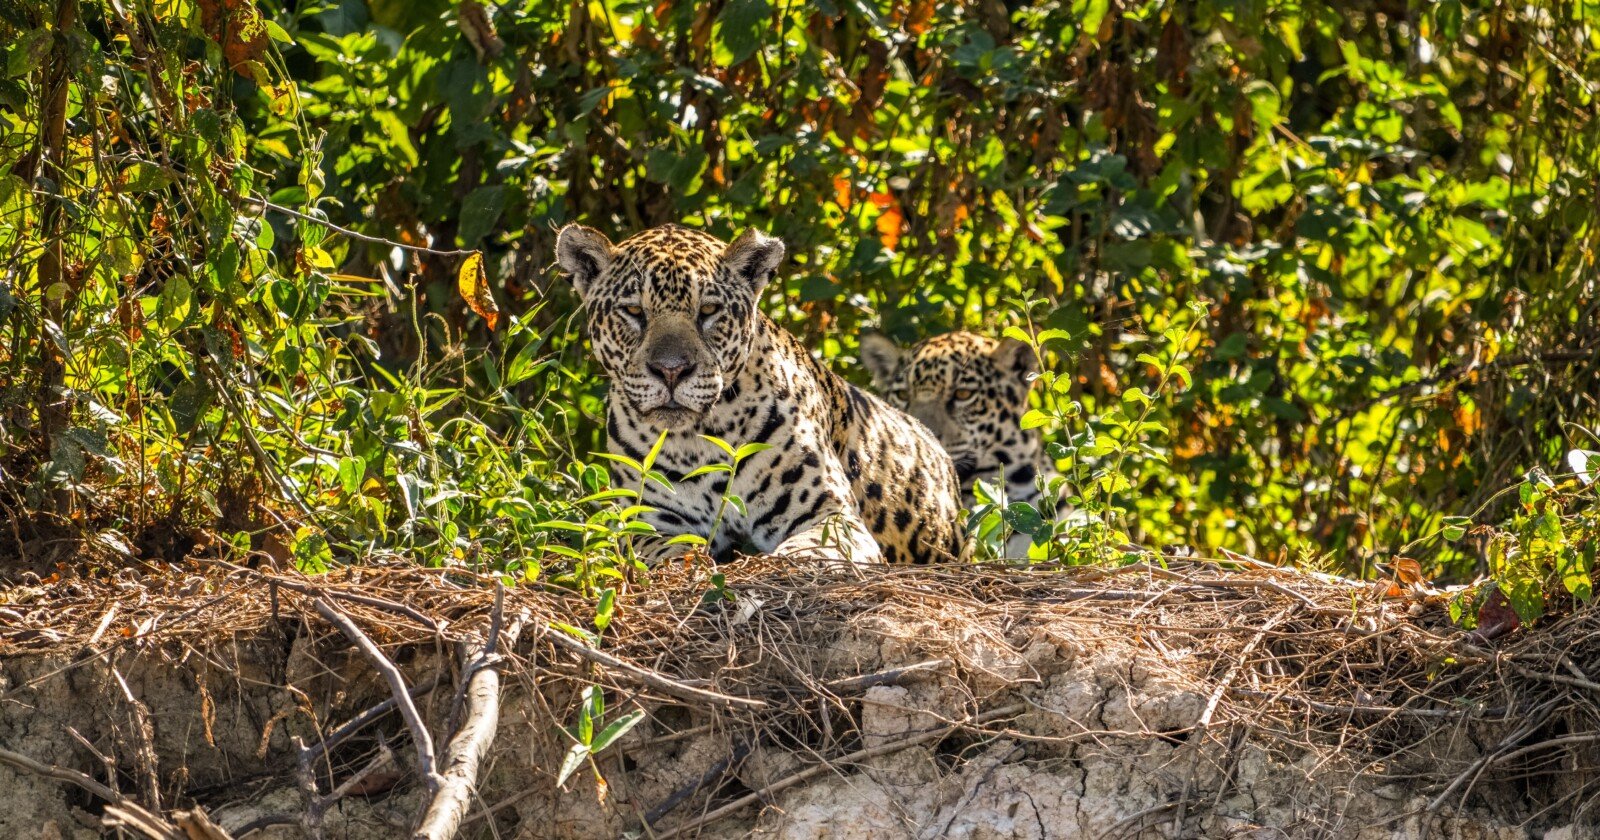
x=818, y=769
x=712, y=774
x=889, y=676
x=356, y=724
x=466, y=750
x=651, y=678
x=1470, y=775
x=397, y=685
x=1368, y=709
x=125, y=816
x=22, y=762
x=1233, y=670
x=196, y=824
x=354, y=598
x=120, y=811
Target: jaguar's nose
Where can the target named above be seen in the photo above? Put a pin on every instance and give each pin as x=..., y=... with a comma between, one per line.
x=671, y=369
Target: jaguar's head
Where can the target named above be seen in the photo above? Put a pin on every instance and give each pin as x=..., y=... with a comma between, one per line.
x=671, y=312
x=971, y=390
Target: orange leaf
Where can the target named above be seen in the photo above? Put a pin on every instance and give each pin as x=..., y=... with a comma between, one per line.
x=473, y=282
x=841, y=193
x=889, y=224
x=918, y=18
x=1407, y=571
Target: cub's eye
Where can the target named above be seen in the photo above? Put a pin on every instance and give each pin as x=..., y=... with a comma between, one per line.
x=710, y=309
x=635, y=310
x=964, y=394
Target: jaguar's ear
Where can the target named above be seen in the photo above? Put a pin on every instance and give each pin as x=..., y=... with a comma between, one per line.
x=881, y=357
x=583, y=253
x=1015, y=357
x=753, y=258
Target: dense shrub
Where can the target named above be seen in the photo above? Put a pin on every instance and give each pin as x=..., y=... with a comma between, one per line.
x=1381, y=212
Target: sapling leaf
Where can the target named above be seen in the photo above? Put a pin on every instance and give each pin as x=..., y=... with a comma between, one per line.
x=616, y=729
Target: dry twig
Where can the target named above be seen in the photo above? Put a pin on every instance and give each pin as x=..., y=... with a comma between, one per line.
x=467, y=749
x=421, y=740
x=654, y=679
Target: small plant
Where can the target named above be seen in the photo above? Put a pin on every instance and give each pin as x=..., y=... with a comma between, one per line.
x=1098, y=458
x=1543, y=558
x=736, y=456
x=587, y=743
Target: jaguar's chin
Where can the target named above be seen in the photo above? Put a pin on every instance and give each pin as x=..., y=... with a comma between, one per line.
x=672, y=416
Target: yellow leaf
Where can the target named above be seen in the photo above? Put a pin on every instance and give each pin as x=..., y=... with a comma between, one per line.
x=474, y=284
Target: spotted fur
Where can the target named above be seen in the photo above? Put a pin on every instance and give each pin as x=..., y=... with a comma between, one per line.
x=972, y=391
x=673, y=320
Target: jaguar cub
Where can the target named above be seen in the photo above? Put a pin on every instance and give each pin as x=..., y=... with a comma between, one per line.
x=972, y=391
x=673, y=320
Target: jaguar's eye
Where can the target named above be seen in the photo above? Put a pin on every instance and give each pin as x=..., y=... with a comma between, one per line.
x=634, y=310
x=709, y=309
x=964, y=394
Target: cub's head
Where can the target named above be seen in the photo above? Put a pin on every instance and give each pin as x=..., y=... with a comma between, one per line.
x=971, y=390
x=672, y=312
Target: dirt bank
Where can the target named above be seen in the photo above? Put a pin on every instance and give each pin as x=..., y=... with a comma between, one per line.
x=956, y=702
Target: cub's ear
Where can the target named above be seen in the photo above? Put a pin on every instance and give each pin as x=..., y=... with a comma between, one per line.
x=583, y=253
x=753, y=258
x=881, y=357
x=1016, y=358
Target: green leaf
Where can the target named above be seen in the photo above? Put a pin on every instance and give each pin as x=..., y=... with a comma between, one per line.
x=1034, y=418
x=1023, y=518
x=574, y=759
x=144, y=177
x=1019, y=334
x=312, y=555
x=741, y=26
x=1182, y=372
x=655, y=451
x=352, y=469
x=719, y=443
x=603, y=611
x=592, y=712
x=1526, y=595
x=608, y=495
x=578, y=633
x=615, y=730
x=177, y=301
x=1090, y=14
x=621, y=459
x=480, y=212
x=749, y=449
x=1576, y=575
x=707, y=470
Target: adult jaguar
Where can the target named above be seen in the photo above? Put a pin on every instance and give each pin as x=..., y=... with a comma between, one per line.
x=673, y=320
